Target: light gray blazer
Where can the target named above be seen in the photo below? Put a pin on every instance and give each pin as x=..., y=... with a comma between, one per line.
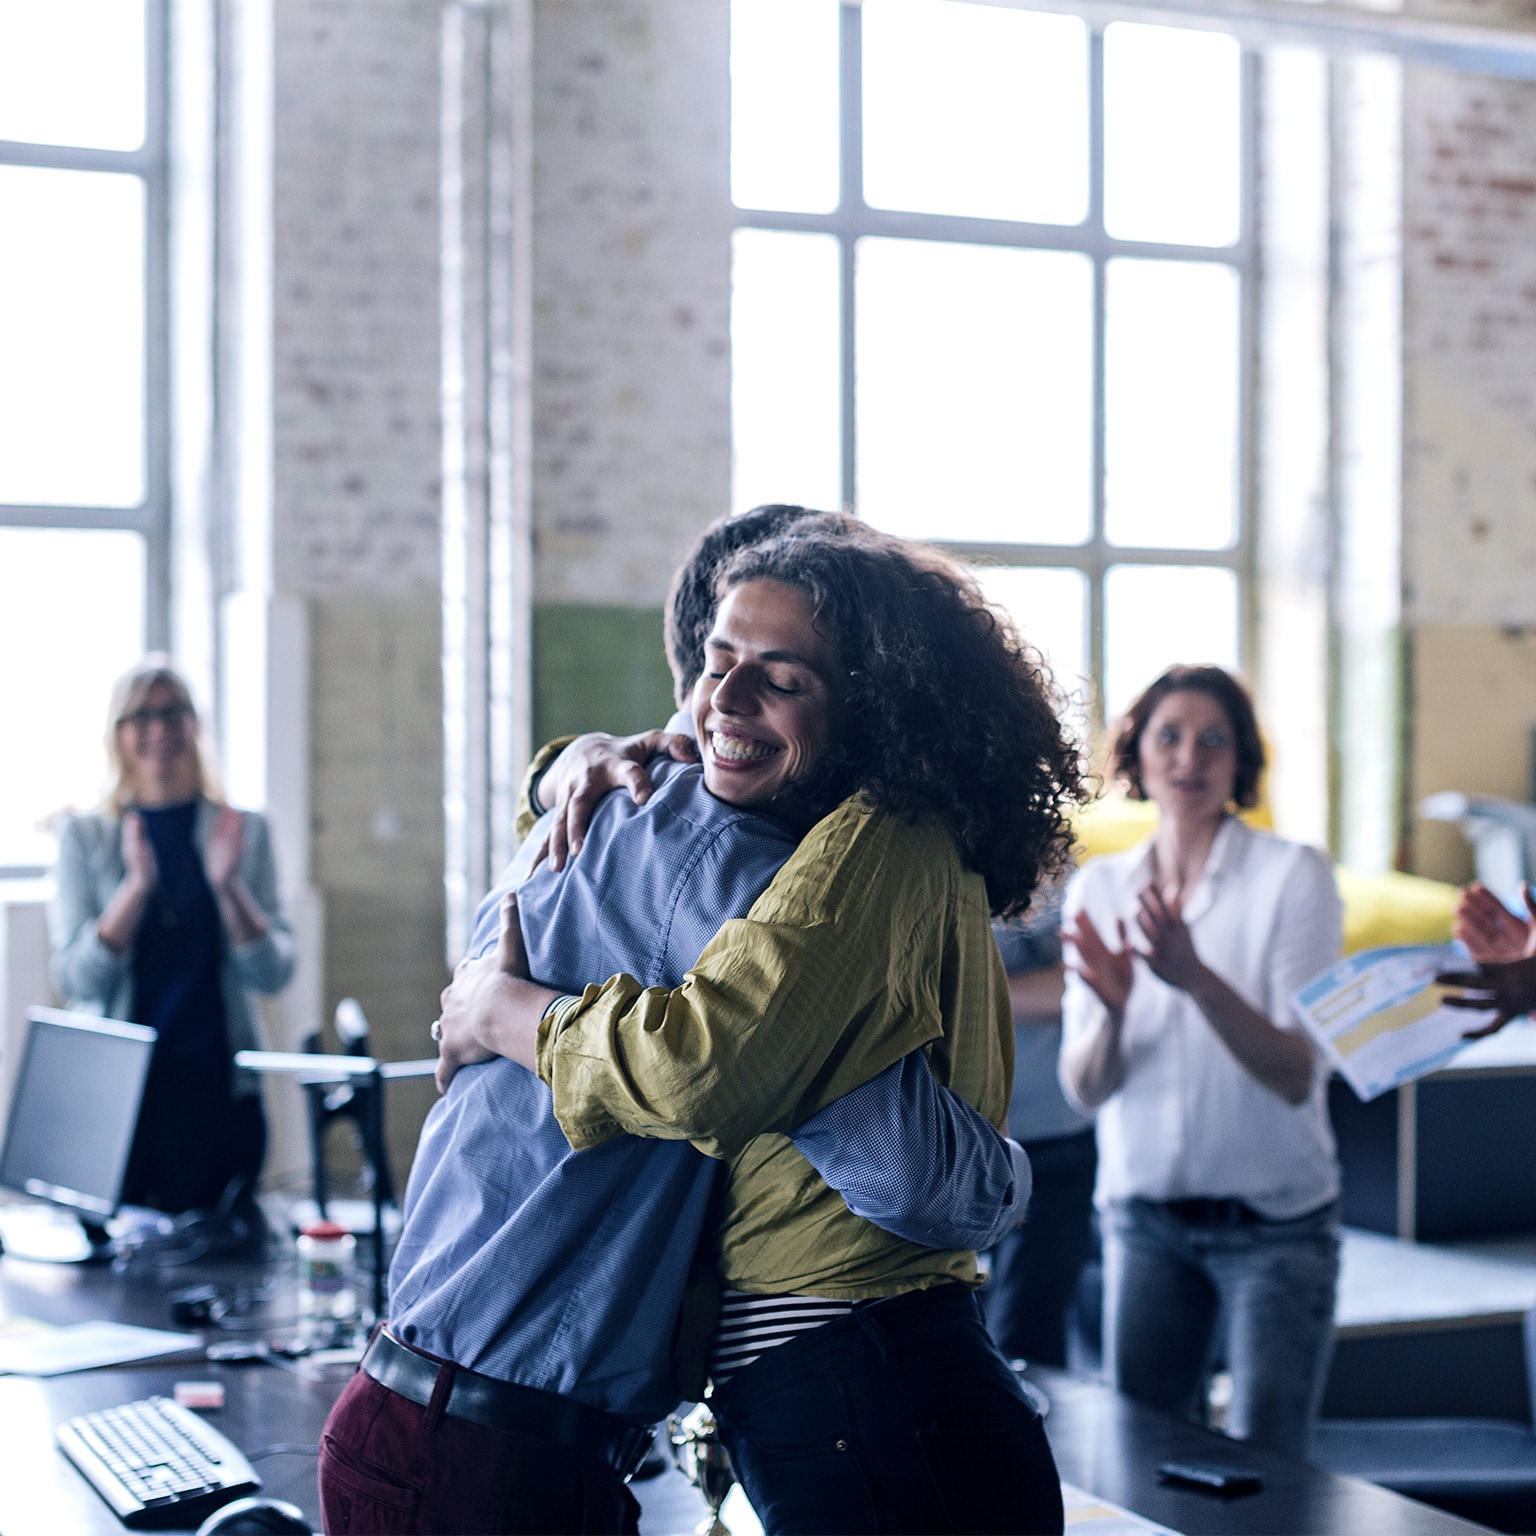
x=95, y=980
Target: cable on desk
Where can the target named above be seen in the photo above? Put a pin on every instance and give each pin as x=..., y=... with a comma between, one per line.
x=282, y=1450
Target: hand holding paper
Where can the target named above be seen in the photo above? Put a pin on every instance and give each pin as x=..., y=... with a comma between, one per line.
x=1506, y=985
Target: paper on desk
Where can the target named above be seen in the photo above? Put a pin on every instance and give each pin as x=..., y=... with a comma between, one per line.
x=1378, y=1017
x=1098, y=1517
x=84, y=1346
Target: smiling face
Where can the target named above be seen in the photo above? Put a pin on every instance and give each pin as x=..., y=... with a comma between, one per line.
x=1188, y=757
x=157, y=739
x=767, y=705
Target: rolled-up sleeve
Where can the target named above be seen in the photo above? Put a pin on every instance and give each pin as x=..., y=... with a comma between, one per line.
x=84, y=969
x=786, y=1010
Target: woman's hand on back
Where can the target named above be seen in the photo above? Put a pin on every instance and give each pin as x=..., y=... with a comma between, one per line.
x=1108, y=971
x=591, y=766
x=467, y=998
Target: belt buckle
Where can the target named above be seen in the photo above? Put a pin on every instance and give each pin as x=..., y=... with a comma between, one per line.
x=633, y=1449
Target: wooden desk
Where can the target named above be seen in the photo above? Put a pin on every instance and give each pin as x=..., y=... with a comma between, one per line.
x=41, y=1493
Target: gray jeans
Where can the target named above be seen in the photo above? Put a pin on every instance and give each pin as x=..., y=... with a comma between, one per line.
x=1270, y=1285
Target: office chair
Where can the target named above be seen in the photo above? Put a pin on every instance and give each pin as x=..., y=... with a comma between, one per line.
x=1481, y=1469
x=359, y=1101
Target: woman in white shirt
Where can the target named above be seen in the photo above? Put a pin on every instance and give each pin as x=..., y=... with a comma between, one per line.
x=1218, y=1181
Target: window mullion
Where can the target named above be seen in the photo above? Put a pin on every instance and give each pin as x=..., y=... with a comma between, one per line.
x=849, y=217
x=1096, y=226
x=157, y=306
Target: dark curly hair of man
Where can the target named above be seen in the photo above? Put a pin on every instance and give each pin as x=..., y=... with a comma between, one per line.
x=1215, y=683
x=947, y=711
x=692, y=600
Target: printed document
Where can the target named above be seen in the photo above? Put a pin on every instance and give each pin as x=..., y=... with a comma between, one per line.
x=1379, y=1017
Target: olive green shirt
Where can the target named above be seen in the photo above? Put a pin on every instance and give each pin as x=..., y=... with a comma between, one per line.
x=871, y=941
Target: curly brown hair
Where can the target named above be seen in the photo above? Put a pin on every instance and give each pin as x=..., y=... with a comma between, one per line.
x=947, y=711
x=1215, y=683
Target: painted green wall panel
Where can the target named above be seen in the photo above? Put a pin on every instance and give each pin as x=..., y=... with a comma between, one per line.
x=598, y=668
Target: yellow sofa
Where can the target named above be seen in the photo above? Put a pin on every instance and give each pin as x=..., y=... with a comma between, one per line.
x=1378, y=909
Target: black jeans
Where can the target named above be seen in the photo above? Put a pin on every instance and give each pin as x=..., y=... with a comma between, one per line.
x=1035, y=1270
x=901, y=1416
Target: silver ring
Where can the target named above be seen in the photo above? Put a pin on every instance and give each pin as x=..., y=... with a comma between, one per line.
x=436, y=1030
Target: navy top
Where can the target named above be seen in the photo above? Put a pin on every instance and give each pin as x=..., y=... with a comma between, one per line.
x=177, y=950
x=565, y=1270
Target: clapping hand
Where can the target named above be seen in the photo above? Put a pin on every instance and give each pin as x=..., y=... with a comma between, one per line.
x=226, y=839
x=1170, y=950
x=1505, y=949
x=1490, y=930
x=1109, y=971
x=138, y=852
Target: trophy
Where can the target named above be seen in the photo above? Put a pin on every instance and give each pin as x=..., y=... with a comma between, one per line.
x=704, y=1461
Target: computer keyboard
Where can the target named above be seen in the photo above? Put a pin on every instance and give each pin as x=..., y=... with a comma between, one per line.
x=156, y=1463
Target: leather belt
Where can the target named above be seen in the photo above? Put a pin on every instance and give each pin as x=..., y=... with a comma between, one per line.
x=508, y=1406
x=1200, y=1212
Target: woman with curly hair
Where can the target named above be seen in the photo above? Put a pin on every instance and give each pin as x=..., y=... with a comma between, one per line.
x=1218, y=1183
x=862, y=691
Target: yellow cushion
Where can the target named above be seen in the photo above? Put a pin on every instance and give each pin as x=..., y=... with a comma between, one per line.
x=1378, y=909
x=1114, y=823
x=1394, y=909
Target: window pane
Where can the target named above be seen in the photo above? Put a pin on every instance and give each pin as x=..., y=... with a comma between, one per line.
x=785, y=419
x=72, y=337
x=1171, y=338
x=975, y=110
x=1050, y=607
x=1172, y=135
x=1157, y=616
x=72, y=72
x=57, y=704
x=975, y=391
x=784, y=139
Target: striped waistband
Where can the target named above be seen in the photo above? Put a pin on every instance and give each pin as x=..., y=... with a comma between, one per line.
x=750, y=1325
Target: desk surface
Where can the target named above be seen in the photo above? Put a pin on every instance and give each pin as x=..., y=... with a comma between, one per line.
x=41, y=1494
x=1113, y=1447
x=1102, y=1442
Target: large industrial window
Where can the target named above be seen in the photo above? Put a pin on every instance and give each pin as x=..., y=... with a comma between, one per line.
x=992, y=287
x=83, y=557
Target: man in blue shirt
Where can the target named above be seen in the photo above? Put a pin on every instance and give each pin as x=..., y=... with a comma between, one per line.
x=536, y=1291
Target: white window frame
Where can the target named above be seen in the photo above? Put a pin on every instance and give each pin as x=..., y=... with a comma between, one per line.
x=854, y=219
x=151, y=517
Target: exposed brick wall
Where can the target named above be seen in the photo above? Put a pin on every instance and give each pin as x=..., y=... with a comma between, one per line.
x=631, y=295
x=1469, y=503
x=1470, y=348
x=355, y=362
x=356, y=498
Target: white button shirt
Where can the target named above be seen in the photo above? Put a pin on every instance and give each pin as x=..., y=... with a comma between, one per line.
x=1188, y=1120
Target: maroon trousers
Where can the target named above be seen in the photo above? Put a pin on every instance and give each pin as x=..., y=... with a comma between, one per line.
x=388, y=1465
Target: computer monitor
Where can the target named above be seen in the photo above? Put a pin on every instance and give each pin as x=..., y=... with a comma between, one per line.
x=73, y=1113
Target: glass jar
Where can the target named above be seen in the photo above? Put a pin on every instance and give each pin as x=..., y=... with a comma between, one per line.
x=327, y=1289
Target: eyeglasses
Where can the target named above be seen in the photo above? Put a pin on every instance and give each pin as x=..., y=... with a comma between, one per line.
x=169, y=715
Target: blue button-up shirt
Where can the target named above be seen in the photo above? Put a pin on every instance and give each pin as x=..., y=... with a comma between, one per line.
x=565, y=1270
